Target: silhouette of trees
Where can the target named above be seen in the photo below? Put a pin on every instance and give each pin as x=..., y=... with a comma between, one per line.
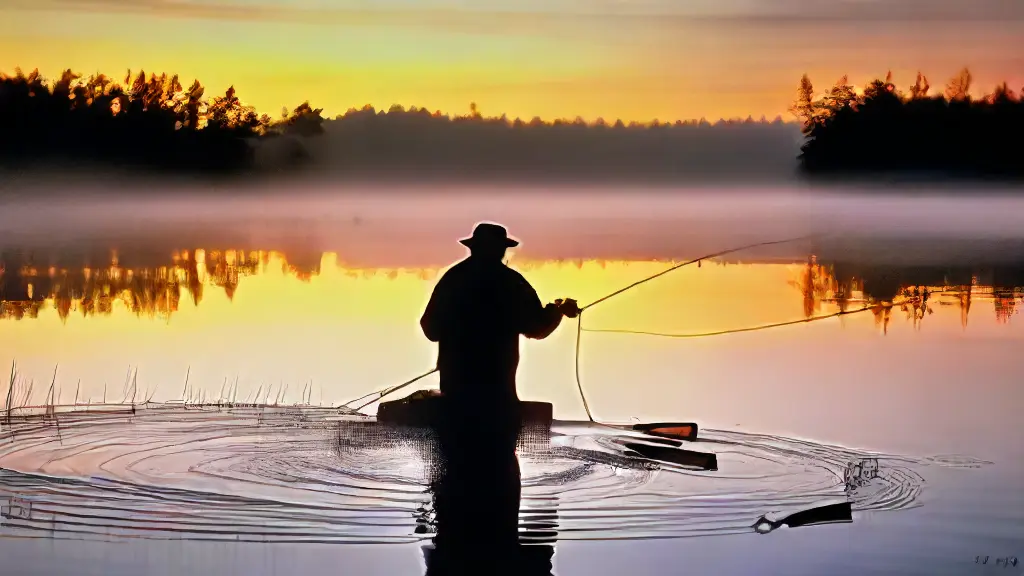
x=882, y=130
x=958, y=86
x=156, y=121
x=227, y=113
x=416, y=142
x=149, y=121
x=303, y=121
x=804, y=106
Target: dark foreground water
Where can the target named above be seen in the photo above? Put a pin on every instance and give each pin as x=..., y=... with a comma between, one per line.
x=906, y=407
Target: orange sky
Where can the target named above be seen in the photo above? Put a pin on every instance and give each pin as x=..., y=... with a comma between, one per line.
x=636, y=61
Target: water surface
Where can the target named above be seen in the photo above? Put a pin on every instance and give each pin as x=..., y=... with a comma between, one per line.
x=315, y=302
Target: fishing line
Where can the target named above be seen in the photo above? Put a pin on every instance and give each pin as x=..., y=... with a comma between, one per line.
x=733, y=330
x=579, y=326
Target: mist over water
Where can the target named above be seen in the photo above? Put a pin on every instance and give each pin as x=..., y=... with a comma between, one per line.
x=416, y=226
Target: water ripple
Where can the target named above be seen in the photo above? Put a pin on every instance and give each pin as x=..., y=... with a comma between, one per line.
x=303, y=474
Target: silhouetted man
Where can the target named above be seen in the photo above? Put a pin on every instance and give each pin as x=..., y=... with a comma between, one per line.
x=476, y=314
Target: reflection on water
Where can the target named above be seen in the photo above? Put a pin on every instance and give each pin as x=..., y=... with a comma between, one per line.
x=155, y=288
x=276, y=321
x=915, y=289
x=307, y=328
x=152, y=289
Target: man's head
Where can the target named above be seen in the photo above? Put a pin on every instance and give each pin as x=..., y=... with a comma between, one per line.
x=489, y=241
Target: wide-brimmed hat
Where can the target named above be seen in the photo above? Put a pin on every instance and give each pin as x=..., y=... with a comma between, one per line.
x=487, y=234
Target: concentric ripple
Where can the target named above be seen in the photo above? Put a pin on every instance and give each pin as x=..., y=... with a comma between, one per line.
x=306, y=474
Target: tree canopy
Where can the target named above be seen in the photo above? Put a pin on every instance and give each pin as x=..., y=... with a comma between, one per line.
x=882, y=129
x=151, y=121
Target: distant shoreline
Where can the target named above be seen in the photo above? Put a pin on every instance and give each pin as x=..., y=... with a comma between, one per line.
x=154, y=127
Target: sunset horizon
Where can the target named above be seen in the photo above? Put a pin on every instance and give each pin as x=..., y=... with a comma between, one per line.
x=340, y=109
x=637, y=64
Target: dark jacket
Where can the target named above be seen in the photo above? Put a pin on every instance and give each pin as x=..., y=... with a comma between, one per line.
x=476, y=314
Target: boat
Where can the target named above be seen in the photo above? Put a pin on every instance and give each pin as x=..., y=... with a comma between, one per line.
x=657, y=441
x=423, y=409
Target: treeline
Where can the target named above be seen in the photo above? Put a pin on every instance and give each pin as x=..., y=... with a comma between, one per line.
x=418, y=143
x=153, y=122
x=156, y=121
x=884, y=129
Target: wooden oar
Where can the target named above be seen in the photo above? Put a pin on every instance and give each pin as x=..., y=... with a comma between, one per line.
x=675, y=430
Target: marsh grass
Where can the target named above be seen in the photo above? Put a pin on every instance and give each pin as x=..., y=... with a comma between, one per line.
x=19, y=410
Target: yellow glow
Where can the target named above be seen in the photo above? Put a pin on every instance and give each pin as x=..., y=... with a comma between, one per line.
x=222, y=314
x=523, y=64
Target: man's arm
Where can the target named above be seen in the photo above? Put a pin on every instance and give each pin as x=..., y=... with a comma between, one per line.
x=538, y=321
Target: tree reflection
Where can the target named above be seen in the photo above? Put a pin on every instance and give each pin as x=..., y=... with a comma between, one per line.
x=154, y=286
x=913, y=290
x=153, y=291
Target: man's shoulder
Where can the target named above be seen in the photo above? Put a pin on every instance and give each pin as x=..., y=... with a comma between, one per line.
x=465, y=271
x=455, y=270
x=516, y=278
x=454, y=274
x=514, y=274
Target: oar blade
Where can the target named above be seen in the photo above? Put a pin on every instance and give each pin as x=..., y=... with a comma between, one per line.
x=707, y=461
x=675, y=430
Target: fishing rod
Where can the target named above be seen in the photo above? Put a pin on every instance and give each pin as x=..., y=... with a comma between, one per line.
x=382, y=393
x=378, y=395
x=694, y=261
x=579, y=323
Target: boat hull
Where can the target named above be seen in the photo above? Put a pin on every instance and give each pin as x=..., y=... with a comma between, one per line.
x=426, y=410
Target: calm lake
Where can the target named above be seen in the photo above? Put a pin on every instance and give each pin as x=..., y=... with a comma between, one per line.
x=313, y=298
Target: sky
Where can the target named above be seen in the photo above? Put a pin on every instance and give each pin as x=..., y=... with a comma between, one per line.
x=616, y=59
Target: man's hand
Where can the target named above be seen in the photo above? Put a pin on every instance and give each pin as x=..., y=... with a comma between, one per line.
x=568, y=307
